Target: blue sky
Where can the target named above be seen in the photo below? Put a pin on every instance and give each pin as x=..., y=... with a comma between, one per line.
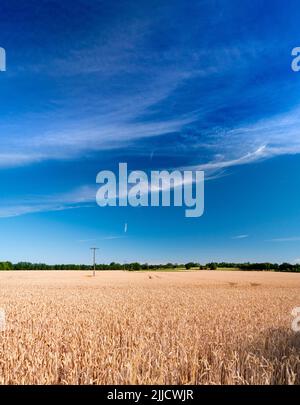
x=160, y=85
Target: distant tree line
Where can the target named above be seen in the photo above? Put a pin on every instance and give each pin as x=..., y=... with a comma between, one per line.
x=111, y=266
x=266, y=266
x=135, y=266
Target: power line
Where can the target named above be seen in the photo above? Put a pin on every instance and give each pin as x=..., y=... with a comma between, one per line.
x=94, y=259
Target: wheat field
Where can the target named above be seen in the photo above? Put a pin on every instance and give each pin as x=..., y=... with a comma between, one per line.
x=203, y=327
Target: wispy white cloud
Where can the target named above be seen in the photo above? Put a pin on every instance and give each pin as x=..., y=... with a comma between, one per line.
x=81, y=197
x=286, y=239
x=113, y=237
x=78, y=198
x=116, y=126
x=239, y=146
x=279, y=135
x=110, y=237
x=265, y=139
x=260, y=153
x=240, y=237
x=115, y=120
x=14, y=159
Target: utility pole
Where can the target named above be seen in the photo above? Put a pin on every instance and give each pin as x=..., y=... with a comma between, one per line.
x=94, y=259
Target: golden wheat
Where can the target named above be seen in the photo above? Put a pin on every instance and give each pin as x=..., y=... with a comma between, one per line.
x=128, y=328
